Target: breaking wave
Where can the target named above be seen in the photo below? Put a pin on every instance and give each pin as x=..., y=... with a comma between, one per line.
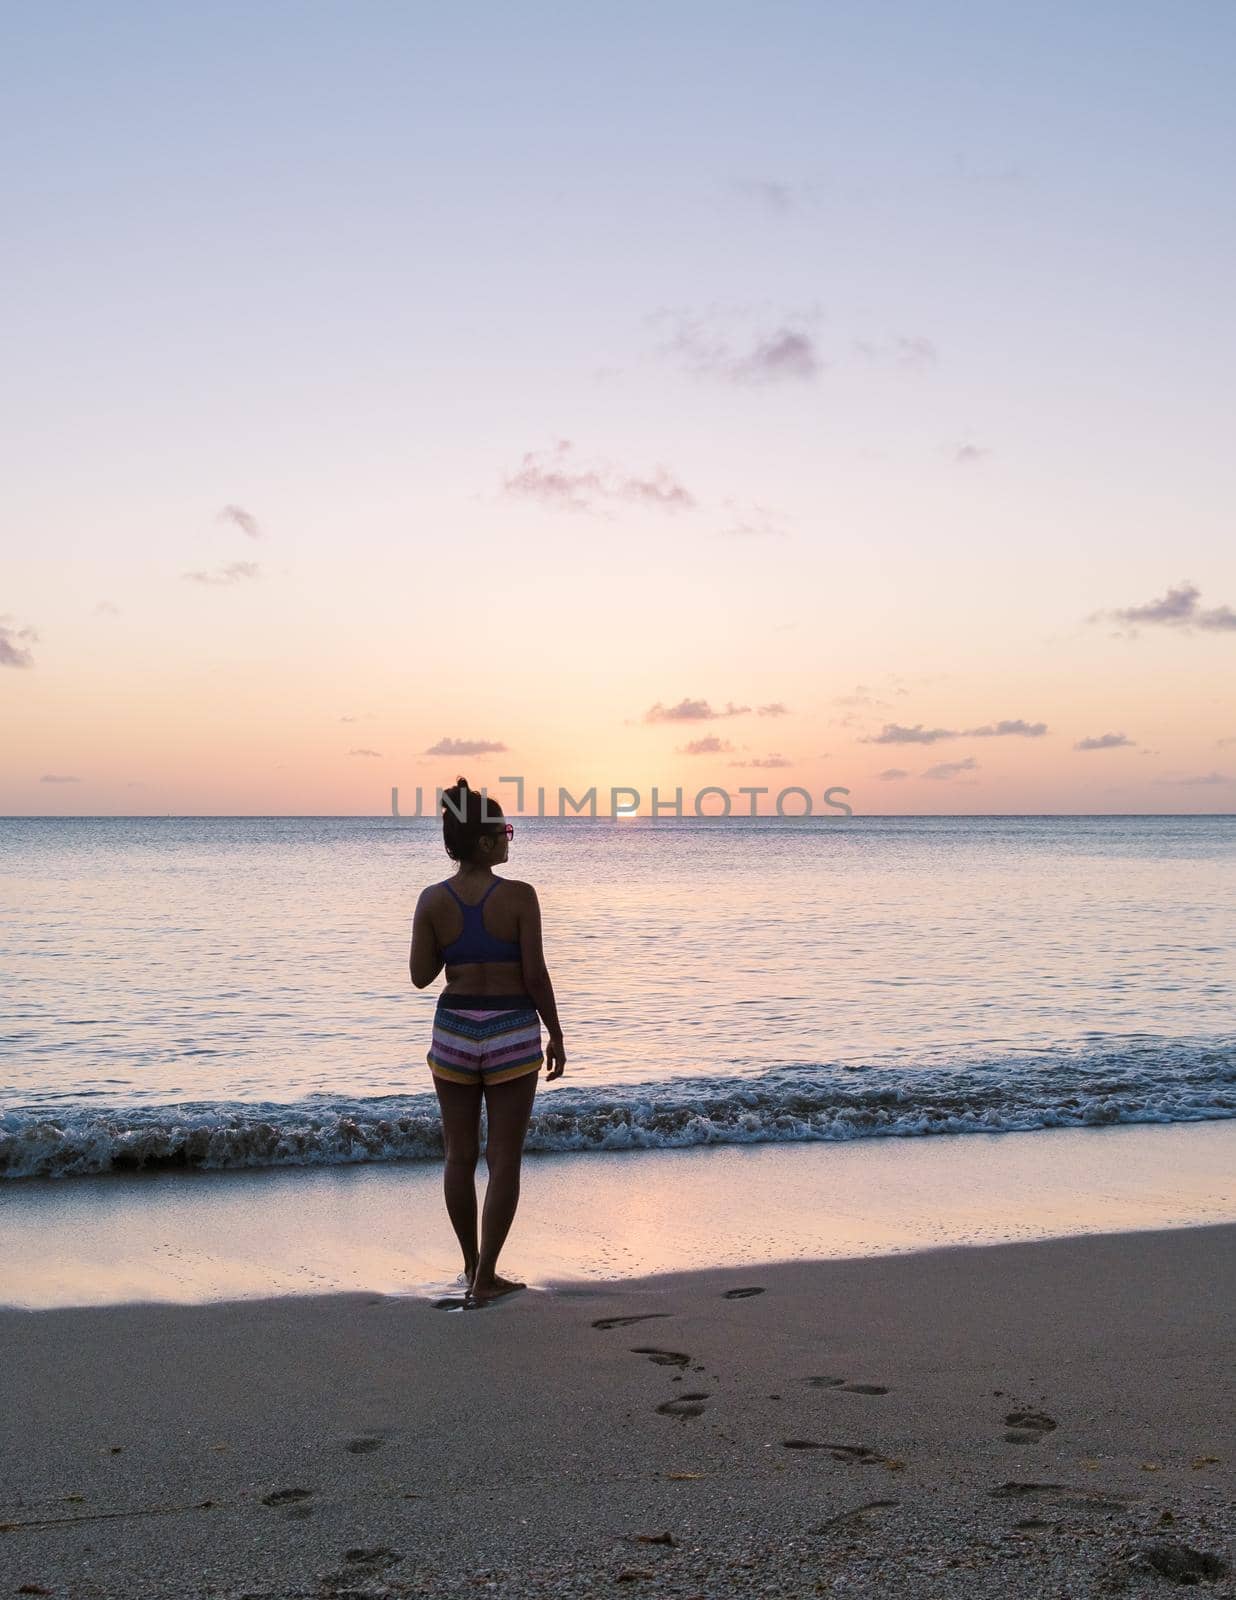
x=1132, y=1081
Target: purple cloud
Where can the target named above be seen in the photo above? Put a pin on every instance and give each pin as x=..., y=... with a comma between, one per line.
x=894, y=733
x=949, y=769
x=1103, y=741
x=364, y=752
x=554, y=478
x=233, y=572
x=1178, y=608
x=710, y=745
x=14, y=642
x=466, y=747
x=692, y=711
x=59, y=777
x=242, y=519
x=890, y=773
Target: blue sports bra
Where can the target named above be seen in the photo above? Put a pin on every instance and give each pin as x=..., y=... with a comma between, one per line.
x=475, y=943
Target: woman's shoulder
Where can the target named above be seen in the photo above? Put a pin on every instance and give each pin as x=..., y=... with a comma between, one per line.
x=517, y=886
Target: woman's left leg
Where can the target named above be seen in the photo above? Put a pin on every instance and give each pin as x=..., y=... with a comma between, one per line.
x=508, y=1108
x=461, y=1136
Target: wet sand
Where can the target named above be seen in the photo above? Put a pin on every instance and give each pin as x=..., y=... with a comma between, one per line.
x=1050, y=1418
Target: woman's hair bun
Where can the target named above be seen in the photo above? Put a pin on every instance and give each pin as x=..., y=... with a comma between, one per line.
x=466, y=816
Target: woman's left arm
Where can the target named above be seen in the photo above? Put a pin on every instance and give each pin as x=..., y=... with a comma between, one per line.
x=424, y=959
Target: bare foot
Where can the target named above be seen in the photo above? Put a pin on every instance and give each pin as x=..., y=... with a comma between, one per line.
x=491, y=1288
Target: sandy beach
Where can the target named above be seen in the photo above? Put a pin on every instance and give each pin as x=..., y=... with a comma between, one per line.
x=1050, y=1418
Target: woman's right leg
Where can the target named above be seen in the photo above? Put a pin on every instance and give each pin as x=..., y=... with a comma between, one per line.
x=461, y=1136
x=508, y=1106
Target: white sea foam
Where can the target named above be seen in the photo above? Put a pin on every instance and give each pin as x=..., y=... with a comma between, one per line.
x=1136, y=1081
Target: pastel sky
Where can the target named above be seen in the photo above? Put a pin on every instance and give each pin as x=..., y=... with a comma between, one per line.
x=385, y=380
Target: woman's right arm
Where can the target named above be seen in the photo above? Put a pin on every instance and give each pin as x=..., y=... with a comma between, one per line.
x=536, y=980
x=424, y=958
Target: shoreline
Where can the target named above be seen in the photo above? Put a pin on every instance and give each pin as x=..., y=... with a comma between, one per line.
x=1037, y=1418
x=586, y=1218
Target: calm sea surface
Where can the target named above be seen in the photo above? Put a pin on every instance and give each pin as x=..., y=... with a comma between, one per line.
x=228, y=992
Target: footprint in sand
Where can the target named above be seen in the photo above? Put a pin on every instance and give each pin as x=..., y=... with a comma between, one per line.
x=740, y=1294
x=1027, y=1427
x=374, y=1559
x=663, y=1358
x=861, y=1454
x=846, y=1388
x=362, y=1447
x=857, y=1517
x=1059, y=1494
x=283, y=1497
x=683, y=1406
x=625, y=1322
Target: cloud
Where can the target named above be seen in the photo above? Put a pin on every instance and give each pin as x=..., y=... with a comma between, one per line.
x=1228, y=739
x=773, y=196
x=363, y=752
x=692, y=711
x=233, y=572
x=775, y=708
x=246, y=523
x=1204, y=779
x=106, y=608
x=1103, y=741
x=907, y=350
x=862, y=696
x=1178, y=608
x=914, y=351
x=1001, y=730
x=59, y=777
x=349, y=719
x=555, y=478
x=966, y=455
x=14, y=642
x=950, y=769
x=710, y=745
x=764, y=761
x=466, y=747
x=890, y=773
x=744, y=529
x=787, y=353
x=894, y=733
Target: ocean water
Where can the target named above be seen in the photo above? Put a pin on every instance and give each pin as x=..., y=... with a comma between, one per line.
x=223, y=992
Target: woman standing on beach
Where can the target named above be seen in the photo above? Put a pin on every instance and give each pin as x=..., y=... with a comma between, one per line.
x=486, y=932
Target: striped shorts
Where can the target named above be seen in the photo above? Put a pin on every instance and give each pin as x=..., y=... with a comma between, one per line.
x=485, y=1038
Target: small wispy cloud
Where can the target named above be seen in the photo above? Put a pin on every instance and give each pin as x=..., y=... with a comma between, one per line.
x=949, y=769
x=1104, y=741
x=1227, y=739
x=106, y=608
x=786, y=352
x=861, y=696
x=891, y=773
x=556, y=478
x=59, y=777
x=15, y=644
x=364, y=752
x=1178, y=608
x=692, y=711
x=466, y=747
x=965, y=455
x=242, y=519
x=774, y=708
x=766, y=762
x=766, y=192
x=1200, y=780
x=911, y=351
x=710, y=745
x=233, y=572
x=895, y=733
x=1012, y=727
